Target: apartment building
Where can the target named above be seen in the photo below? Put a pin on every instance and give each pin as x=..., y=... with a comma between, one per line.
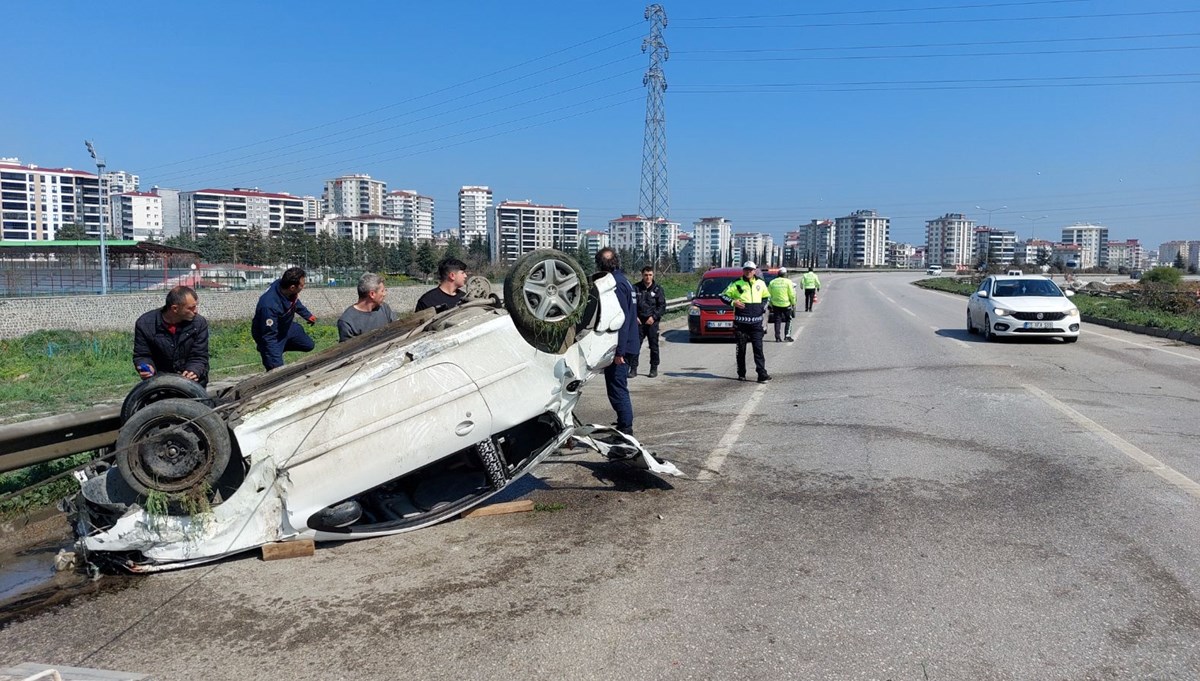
x=711, y=242
x=239, y=210
x=1034, y=251
x=476, y=214
x=593, y=240
x=389, y=231
x=524, y=226
x=312, y=207
x=811, y=244
x=354, y=195
x=948, y=241
x=414, y=210
x=650, y=239
x=994, y=246
x=904, y=256
x=36, y=202
x=1128, y=254
x=685, y=251
x=1170, y=251
x=861, y=239
x=1092, y=241
x=755, y=246
x=137, y=216
x=119, y=182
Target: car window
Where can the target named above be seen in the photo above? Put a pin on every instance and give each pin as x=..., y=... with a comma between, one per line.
x=1017, y=288
x=713, y=287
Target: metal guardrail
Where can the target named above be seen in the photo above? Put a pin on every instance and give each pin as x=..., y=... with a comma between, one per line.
x=53, y=437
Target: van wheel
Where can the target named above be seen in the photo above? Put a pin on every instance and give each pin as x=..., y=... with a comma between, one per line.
x=173, y=445
x=545, y=293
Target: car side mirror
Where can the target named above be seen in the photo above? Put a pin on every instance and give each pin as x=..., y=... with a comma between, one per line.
x=983, y=294
x=691, y=295
x=1069, y=293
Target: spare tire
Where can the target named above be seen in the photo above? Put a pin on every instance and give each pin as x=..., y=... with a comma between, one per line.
x=173, y=445
x=161, y=387
x=545, y=293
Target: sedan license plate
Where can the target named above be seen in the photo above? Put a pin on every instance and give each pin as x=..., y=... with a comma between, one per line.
x=720, y=325
x=1038, y=325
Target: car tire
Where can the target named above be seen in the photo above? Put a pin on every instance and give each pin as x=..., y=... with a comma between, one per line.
x=970, y=325
x=173, y=446
x=546, y=293
x=987, y=329
x=162, y=387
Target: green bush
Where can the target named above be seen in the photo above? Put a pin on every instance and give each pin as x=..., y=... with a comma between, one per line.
x=1164, y=275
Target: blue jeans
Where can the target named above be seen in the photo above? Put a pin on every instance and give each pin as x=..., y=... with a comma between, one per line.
x=616, y=383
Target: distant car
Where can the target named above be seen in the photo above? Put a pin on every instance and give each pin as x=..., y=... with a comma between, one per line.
x=1015, y=273
x=934, y=270
x=388, y=432
x=708, y=315
x=1028, y=305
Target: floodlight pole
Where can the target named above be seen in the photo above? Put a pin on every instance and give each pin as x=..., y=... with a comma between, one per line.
x=100, y=193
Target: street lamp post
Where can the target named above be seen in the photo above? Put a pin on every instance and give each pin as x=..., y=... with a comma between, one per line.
x=100, y=193
x=1033, y=225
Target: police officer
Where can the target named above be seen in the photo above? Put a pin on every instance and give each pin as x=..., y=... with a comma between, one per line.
x=749, y=296
x=811, y=285
x=273, y=328
x=783, y=303
x=651, y=306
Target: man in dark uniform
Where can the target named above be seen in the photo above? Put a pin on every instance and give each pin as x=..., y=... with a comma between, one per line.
x=616, y=374
x=651, y=306
x=274, y=330
x=173, y=339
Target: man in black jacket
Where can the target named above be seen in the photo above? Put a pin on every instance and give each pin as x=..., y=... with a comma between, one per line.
x=173, y=339
x=651, y=306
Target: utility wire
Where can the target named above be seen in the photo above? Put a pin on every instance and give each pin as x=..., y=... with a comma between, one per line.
x=931, y=22
x=972, y=43
x=1095, y=50
x=989, y=5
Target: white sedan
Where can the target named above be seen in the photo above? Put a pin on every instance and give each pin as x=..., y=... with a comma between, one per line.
x=1027, y=305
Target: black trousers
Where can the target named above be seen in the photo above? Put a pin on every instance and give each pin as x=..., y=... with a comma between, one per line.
x=782, y=316
x=646, y=332
x=809, y=294
x=752, y=334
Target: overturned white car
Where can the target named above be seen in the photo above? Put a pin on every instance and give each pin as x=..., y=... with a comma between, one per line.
x=389, y=432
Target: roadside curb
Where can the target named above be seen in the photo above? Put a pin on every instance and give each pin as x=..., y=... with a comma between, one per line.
x=1169, y=334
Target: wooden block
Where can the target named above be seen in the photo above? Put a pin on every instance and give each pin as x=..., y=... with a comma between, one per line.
x=496, y=509
x=300, y=548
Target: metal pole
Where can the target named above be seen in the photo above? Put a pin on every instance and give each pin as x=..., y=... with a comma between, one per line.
x=100, y=193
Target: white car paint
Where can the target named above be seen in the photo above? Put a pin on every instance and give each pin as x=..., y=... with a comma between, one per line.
x=1025, y=305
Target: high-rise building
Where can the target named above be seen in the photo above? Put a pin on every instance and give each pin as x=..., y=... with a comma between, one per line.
x=994, y=246
x=1128, y=254
x=389, y=231
x=755, y=246
x=711, y=242
x=312, y=207
x=476, y=216
x=948, y=241
x=354, y=195
x=649, y=239
x=1093, y=244
x=593, y=240
x=523, y=226
x=861, y=239
x=120, y=182
x=171, y=224
x=686, y=252
x=38, y=202
x=137, y=216
x=813, y=244
x=414, y=210
x=238, y=210
x=1169, y=251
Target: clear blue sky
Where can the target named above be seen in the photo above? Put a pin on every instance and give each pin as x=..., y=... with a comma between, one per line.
x=777, y=112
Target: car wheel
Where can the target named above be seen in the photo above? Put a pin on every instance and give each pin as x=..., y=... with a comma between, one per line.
x=545, y=293
x=987, y=329
x=478, y=288
x=1070, y=339
x=173, y=446
x=162, y=387
x=970, y=325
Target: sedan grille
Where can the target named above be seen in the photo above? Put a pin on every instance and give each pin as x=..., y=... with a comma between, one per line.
x=1039, y=316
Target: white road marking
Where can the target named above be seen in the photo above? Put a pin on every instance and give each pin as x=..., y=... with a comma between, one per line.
x=712, y=465
x=1142, y=345
x=910, y=312
x=1147, y=461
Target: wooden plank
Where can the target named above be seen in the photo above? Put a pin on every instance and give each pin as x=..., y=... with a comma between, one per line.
x=497, y=509
x=300, y=548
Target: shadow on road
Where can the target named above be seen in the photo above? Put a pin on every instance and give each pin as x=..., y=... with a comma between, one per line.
x=962, y=335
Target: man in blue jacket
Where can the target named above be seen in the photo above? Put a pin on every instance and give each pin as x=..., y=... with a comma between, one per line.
x=616, y=375
x=274, y=330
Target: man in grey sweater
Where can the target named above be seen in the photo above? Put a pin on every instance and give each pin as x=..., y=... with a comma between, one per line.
x=370, y=312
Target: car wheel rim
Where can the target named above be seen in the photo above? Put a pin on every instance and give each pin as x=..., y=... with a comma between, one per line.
x=552, y=291
x=171, y=455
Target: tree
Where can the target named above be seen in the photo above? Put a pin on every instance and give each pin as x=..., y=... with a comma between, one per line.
x=72, y=231
x=453, y=249
x=1179, y=263
x=1166, y=275
x=426, y=259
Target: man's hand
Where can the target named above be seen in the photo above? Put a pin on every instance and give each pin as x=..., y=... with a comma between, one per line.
x=145, y=371
x=312, y=320
x=619, y=359
x=649, y=321
x=739, y=304
x=189, y=375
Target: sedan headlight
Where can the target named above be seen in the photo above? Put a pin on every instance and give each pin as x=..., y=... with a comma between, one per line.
x=1001, y=312
x=693, y=311
x=1073, y=312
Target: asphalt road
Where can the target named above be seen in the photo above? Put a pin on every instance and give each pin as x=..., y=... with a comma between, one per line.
x=903, y=501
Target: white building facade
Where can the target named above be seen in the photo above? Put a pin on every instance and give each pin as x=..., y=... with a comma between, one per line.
x=35, y=202
x=861, y=239
x=1128, y=254
x=1092, y=241
x=524, y=226
x=137, y=216
x=414, y=210
x=994, y=246
x=354, y=195
x=711, y=241
x=593, y=240
x=476, y=214
x=755, y=246
x=239, y=210
x=948, y=241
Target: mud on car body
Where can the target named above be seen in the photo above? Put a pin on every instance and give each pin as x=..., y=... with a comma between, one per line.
x=389, y=432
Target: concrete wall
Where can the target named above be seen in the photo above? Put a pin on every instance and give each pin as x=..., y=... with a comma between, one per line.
x=118, y=312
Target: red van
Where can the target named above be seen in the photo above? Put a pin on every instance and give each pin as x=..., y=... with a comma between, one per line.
x=708, y=315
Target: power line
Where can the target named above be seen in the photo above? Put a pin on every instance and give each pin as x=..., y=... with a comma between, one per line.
x=1010, y=86
x=989, y=5
x=931, y=22
x=875, y=57
x=972, y=43
x=957, y=80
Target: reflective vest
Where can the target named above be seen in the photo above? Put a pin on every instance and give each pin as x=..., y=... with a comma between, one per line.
x=753, y=294
x=783, y=292
x=809, y=280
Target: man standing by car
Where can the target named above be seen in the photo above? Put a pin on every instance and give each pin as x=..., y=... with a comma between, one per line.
x=811, y=285
x=273, y=329
x=173, y=338
x=369, y=313
x=452, y=278
x=783, y=304
x=651, y=306
x=616, y=375
x=749, y=297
